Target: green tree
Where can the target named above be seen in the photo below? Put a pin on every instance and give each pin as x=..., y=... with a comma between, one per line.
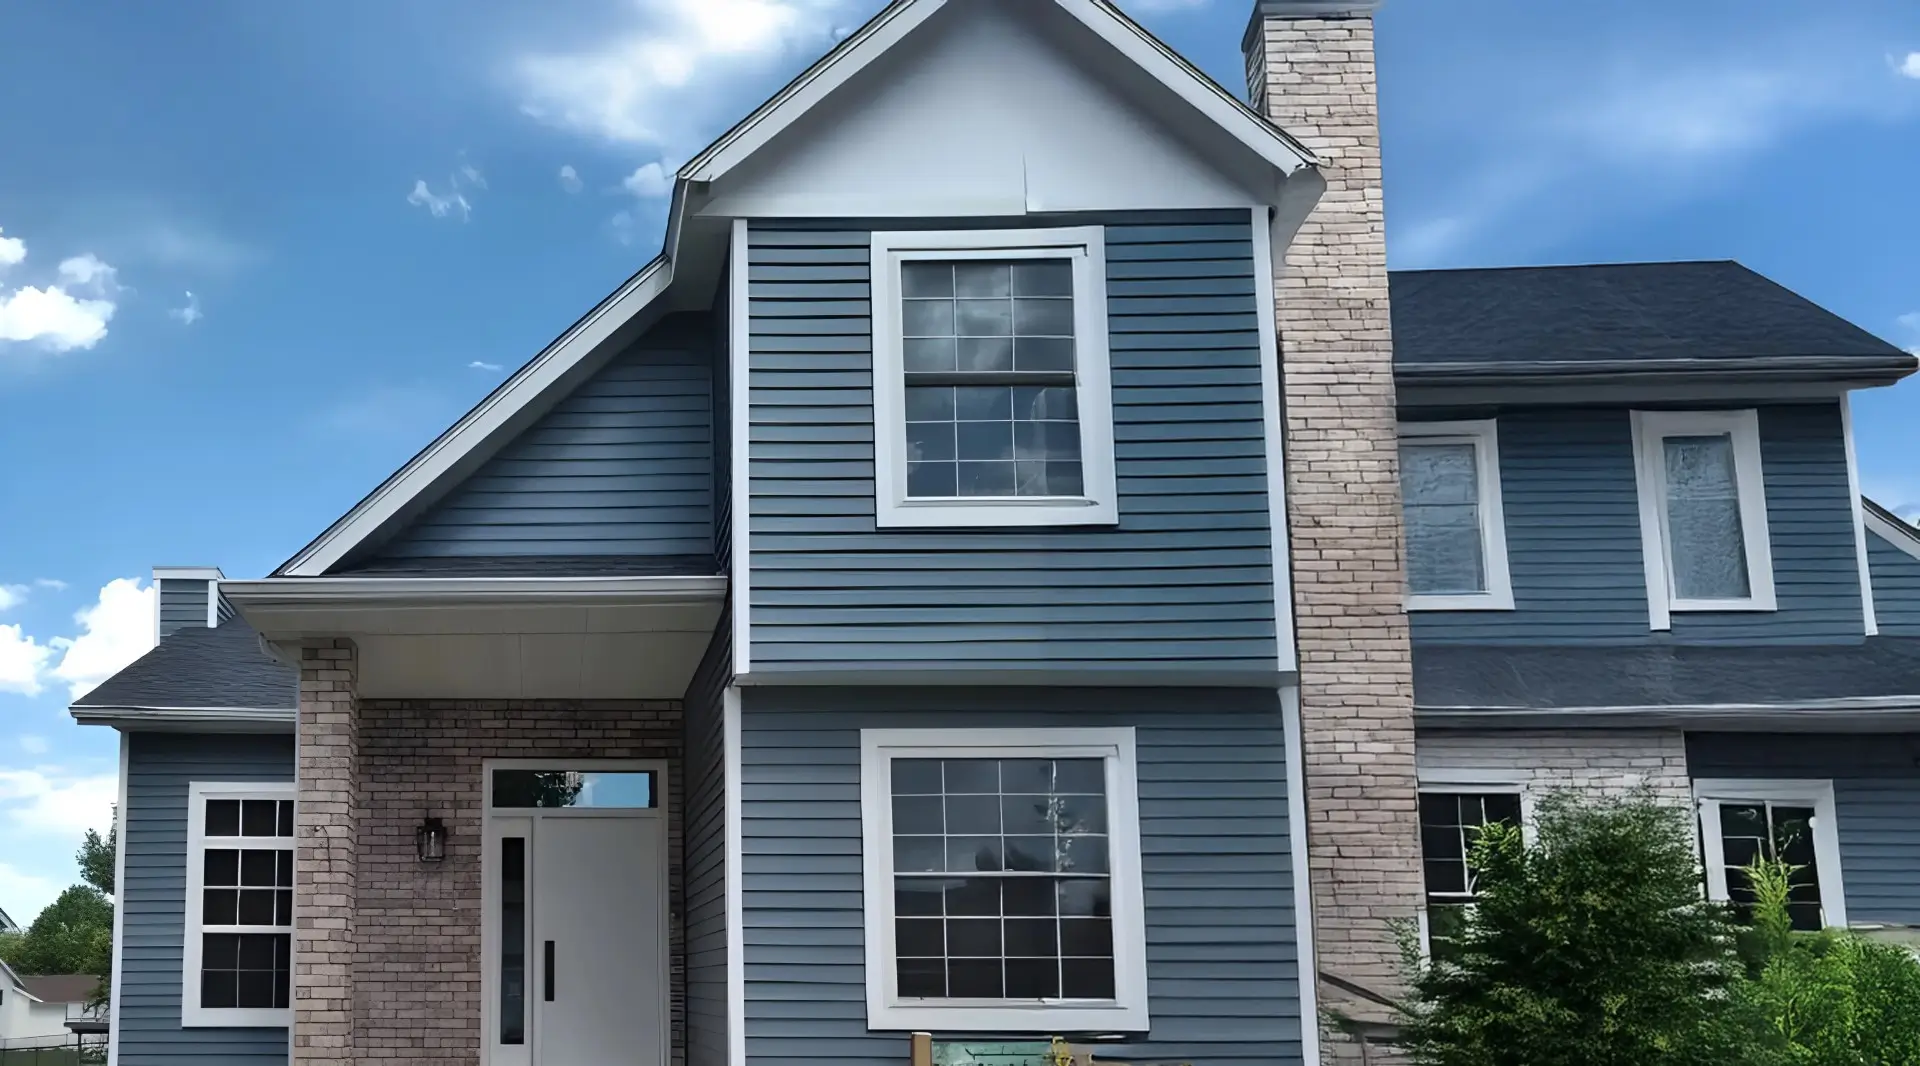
x=1590, y=945
x=73, y=935
x=96, y=856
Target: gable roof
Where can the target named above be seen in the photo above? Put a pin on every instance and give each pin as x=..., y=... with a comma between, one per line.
x=220, y=671
x=566, y=361
x=60, y=987
x=8, y=925
x=1636, y=317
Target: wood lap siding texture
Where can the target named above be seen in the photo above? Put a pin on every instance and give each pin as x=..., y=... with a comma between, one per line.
x=1222, y=972
x=1184, y=580
x=706, y=852
x=622, y=466
x=1896, y=587
x=153, y=896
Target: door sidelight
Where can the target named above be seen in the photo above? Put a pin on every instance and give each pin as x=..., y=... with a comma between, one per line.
x=549, y=968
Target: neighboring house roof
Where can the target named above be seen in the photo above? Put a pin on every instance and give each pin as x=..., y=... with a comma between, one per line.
x=223, y=669
x=8, y=925
x=564, y=363
x=1717, y=316
x=60, y=988
x=1876, y=674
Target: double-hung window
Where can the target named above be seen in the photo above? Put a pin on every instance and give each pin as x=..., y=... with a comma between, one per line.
x=239, y=916
x=1003, y=880
x=1742, y=822
x=1703, y=512
x=1451, y=817
x=1456, y=531
x=992, y=405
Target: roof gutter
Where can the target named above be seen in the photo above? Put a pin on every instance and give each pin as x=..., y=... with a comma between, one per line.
x=322, y=592
x=212, y=719
x=1879, y=369
x=1846, y=713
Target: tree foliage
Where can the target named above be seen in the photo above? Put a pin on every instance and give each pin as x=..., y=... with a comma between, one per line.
x=73, y=935
x=96, y=857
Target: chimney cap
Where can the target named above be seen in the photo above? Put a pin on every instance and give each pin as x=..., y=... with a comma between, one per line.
x=188, y=573
x=1315, y=9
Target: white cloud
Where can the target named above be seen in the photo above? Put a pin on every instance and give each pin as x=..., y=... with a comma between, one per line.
x=471, y=176
x=22, y=659
x=491, y=368
x=53, y=317
x=88, y=271
x=1911, y=66
x=114, y=631
x=624, y=226
x=26, y=894
x=452, y=204
x=53, y=583
x=640, y=84
x=570, y=178
x=189, y=313
x=69, y=806
x=13, y=251
x=649, y=182
x=33, y=745
x=12, y=596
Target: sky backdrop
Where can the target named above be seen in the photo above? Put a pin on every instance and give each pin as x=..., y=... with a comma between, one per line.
x=253, y=256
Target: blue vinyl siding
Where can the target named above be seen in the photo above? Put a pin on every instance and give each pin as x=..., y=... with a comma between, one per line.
x=153, y=895
x=1896, y=586
x=622, y=466
x=1573, y=537
x=1876, y=799
x=1222, y=972
x=183, y=602
x=706, y=852
x=1184, y=581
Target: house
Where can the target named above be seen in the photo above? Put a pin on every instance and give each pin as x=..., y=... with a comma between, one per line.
x=35, y=1011
x=8, y=925
x=957, y=587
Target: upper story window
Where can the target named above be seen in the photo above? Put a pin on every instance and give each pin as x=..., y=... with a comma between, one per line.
x=991, y=398
x=1456, y=531
x=1742, y=822
x=239, y=915
x=1703, y=512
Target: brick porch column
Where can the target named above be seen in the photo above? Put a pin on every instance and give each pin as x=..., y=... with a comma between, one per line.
x=324, y=884
x=1310, y=66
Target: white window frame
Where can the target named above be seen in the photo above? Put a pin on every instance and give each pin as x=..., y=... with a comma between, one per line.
x=1650, y=429
x=886, y=1010
x=1479, y=782
x=192, y=1014
x=1710, y=793
x=1484, y=435
x=1085, y=246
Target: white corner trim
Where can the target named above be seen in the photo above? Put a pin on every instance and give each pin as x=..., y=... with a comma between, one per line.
x=1272, y=408
x=1306, y=957
x=735, y=879
x=478, y=425
x=739, y=425
x=1127, y=1011
x=119, y=904
x=192, y=1015
x=1710, y=793
x=1085, y=247
x=213, y=604
x=1869, y=617
x=1484, y=436
x=1650, y=480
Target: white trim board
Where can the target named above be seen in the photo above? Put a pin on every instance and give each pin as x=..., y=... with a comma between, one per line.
x=1484, y=436
x=119, y=906
x=1870, y=620
x=1742, y=428
x=739, y=425
x=1710, y=793
x=736, y=881
x=1307, y=958
x=1273, y=415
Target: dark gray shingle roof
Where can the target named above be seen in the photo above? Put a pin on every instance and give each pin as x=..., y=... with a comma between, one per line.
x=1613, y=312
x=198, y=667
x=1559, y=676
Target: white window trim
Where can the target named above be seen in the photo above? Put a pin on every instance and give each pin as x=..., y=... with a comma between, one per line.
x=1086, y=247
x=192, y=1014
x=1710, y=793
x=1484, y=435
x=1649, y=429
x=1474, y=781
x=885, y=1009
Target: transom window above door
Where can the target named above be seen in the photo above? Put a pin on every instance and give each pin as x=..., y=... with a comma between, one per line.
x=1455, y=525
x=991, y=391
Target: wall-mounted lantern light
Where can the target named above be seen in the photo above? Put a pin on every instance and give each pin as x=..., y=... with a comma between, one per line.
x=431, y=839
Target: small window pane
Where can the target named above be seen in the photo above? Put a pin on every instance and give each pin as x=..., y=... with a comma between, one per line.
x=1044, y=355
x=986, y=318
x=259, y=868
x=916, y=777
x=919, y=936
x=1032, y=978
x=918, y=815
x=220, y=906
x=987, y=478
x=933, y=480
x=1043, y=318
x=221, y=867
x=936, y=355
x=1440, y=483
x=286, y=818
x=930, y=403
x=971, y=776
x=1707, y=542
x=975, y=979
x=1086, y=978
x=926, y=279
x=928, y=318
x=981, y=279
x=1043, y=277
x=256, y=906
x=223, y=818
x=931, y=442
x=986, y=355
x=918, y=897
x=970, y=854
x=973, y=815
x=983, y=403
x=513, y=940
x=923, y=978
x=259, y=818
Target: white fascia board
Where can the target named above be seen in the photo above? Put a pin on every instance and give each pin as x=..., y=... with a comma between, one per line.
x=211, y=719
x=188, y=573
x=478, y=425
x=471, y=591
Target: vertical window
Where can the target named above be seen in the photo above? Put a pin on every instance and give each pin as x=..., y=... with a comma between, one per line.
x=1449, y=822
x=991, y=396
x=239, y=935
x=1703, y=512
x=513, y=940
x=1455, y=528
x=1743, y=822
x=1007, y=870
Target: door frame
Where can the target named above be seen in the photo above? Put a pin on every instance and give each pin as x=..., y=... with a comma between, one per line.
x=490, y=892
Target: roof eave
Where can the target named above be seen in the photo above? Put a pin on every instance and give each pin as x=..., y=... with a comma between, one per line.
x=318, y=592
x=197, y=719
x=1865, y=370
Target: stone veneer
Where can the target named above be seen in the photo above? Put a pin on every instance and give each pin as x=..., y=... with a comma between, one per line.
x=1310, y=67
x=1592, y=761
x=326, y=861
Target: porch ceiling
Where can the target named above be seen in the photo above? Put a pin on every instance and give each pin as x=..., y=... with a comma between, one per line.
x=499, y=638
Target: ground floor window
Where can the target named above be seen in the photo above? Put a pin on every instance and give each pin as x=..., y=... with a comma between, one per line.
x=239, y=910
x=1449, y=822
x=1742, y=822
x=1003, y=880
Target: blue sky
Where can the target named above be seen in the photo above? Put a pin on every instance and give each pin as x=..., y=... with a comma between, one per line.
x=252, y=256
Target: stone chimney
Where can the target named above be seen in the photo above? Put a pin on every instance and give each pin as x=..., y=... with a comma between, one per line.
x=1310, y=67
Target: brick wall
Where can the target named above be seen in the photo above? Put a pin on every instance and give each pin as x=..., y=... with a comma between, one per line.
x=1602, y=763
x=417, y=965
x=325, y=882
x=1310, y=67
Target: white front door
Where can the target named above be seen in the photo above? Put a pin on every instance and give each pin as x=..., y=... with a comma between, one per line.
x=596, y=925
x=575, y=916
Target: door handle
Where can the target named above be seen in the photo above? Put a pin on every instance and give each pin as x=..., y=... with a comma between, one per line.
x=549, y=969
